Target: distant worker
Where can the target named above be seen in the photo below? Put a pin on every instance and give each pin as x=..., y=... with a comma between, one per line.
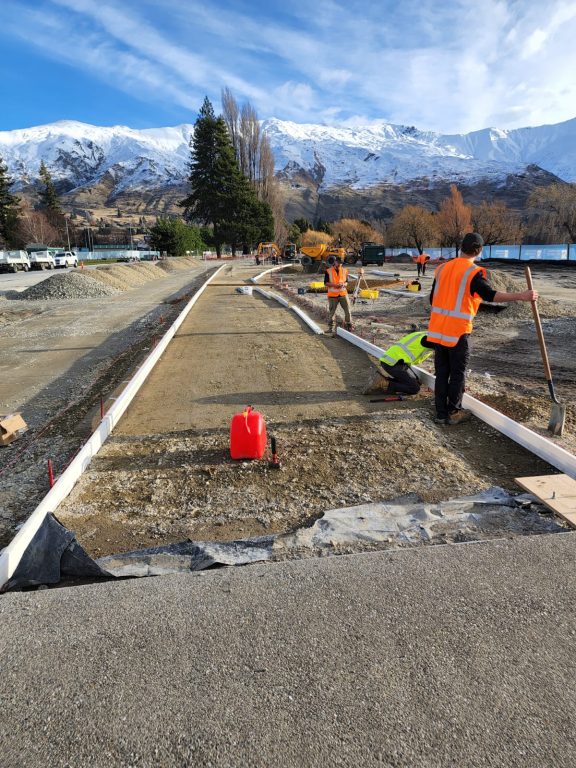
x=421, y=260
x=396, y=362
x=458, y=290
x=336, y=281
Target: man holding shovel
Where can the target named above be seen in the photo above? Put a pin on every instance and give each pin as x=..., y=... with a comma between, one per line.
x=458, y=290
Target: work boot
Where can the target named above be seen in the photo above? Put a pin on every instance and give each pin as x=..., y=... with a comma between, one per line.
x=458, y=417
x=378, y=384
x=349, y=327
x=440, y=420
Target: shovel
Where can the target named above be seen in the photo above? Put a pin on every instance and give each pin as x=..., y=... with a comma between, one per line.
x=558, y=413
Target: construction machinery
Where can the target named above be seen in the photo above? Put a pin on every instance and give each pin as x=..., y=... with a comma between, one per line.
x=314, y=256
x=268, y=251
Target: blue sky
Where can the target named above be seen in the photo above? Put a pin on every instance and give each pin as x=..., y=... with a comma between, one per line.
x=451, y=66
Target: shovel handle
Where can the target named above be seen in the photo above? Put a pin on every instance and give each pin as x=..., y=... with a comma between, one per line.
x=538, y=325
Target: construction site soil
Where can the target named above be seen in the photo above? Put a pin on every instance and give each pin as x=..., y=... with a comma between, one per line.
x=165, y=474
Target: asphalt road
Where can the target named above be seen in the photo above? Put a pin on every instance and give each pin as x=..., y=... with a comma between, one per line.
x=459, y=655
x=19, y=281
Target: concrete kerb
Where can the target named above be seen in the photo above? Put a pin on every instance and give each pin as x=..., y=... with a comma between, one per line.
x=266, y=272
x=285, y=303
x=11, y=554
x=533, y=442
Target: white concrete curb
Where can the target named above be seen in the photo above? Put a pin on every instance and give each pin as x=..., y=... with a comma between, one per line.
x=308, y=320
x=535, y=443
x=266, y=272
x=11, y=555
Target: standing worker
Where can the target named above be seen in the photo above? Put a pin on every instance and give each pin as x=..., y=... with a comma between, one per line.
x=421, y=260
x=335, y=280
x=397, y=361
x=458, y=290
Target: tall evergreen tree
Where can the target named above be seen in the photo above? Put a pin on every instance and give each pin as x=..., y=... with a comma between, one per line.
x=48, y=195
x=9, y=210
x=220, y=195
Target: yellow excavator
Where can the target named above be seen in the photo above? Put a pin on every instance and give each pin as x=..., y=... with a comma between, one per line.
x=268, y=250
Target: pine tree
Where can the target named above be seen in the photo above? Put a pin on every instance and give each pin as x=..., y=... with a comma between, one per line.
x=220, y=195
x=9, y=210
x=48, y=196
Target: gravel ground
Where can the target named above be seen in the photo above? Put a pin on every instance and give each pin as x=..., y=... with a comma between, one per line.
x=165, y=474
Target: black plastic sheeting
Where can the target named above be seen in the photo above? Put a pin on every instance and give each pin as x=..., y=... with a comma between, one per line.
x=53, y=555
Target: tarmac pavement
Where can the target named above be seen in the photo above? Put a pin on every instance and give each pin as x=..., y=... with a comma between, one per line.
x=457, y=655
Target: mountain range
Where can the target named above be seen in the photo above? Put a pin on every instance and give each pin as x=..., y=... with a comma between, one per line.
x=326, y=171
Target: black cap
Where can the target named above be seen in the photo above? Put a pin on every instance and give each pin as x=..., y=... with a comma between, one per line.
x=471, y=242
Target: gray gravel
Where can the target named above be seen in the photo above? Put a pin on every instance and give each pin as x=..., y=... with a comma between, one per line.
x=68, y=285
x=458, y=655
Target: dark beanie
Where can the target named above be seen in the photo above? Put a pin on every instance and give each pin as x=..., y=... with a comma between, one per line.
x=471, y=242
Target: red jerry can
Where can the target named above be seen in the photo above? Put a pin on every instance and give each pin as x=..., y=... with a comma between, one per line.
x=247, y=435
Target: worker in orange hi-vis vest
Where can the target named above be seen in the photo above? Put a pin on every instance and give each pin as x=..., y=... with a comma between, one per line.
x=459, y=288
x=335, y=280
x=421, y=260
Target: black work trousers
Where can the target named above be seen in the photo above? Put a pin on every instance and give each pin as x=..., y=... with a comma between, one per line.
x=421, y=269
x=404, y=380
x=450, y=367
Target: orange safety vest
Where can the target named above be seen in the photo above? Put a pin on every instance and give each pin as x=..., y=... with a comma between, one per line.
x=338, y=276
x=453, y=307
x=422, y=258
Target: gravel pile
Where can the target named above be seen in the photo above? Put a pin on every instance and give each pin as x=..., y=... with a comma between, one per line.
x=70, y=285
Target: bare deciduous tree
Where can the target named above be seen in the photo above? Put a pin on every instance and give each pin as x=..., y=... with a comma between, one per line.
x=351, y=233
x=313, y=237
x=558, y=203
x=255, y=158
x=36, y=228
x=413, y=226
x=454, y=219
x=496, y=223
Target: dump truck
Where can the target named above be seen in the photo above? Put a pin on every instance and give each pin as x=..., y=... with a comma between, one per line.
x=41, y=260
x=313, y=256
x=12, y=261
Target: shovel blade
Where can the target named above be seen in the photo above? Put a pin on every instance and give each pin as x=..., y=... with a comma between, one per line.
x=557, y=419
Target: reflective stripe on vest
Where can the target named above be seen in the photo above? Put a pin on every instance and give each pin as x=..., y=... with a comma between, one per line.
x=409, y=356
x=335, y=276
x=452, y=290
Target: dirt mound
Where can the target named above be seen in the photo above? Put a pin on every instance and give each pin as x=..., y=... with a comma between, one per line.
x=176, y=263
x=72, y=285
x=505, y=283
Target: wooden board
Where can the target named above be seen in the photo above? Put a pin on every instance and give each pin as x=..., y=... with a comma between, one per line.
x=557, y=492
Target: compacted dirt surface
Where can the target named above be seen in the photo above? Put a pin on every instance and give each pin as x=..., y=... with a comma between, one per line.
x=60, y=356
x=165, y=474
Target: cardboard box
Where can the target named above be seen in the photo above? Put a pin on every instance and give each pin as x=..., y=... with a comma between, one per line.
x=11, y=427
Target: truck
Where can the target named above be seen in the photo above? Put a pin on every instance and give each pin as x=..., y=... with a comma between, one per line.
x=312, y=257
x=41, y=260
x=12, y=261
x=64, y=259
x=372, y=253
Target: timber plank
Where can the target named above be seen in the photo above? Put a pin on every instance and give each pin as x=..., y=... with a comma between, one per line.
x=557, y=492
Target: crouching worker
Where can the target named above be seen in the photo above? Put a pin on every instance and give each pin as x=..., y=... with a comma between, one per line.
x=398, y=377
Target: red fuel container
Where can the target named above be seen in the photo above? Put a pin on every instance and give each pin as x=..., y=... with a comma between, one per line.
x=247, y=435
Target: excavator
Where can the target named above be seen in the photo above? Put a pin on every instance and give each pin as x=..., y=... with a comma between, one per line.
x=268, y=251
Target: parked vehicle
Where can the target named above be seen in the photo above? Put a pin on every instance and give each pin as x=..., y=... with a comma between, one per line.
x=41, y=260
x=65, y=259
x=12, y=261
x=372, y=253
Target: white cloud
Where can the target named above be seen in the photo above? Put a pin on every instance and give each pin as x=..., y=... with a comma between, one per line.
x=453, y=67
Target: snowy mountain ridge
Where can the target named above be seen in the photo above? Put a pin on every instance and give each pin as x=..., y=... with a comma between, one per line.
x=79, y=155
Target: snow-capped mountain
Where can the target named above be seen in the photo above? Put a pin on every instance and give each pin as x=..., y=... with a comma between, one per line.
x=122, y=161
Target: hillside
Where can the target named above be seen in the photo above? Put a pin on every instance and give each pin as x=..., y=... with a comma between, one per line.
x=325, y=171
